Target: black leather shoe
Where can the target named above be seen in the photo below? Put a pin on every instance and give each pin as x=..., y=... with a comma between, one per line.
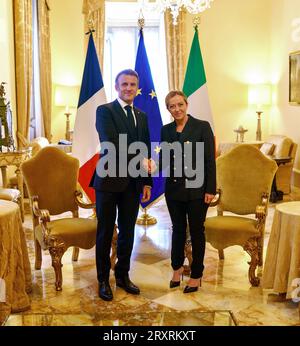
x=127, y=285
x=105, y=291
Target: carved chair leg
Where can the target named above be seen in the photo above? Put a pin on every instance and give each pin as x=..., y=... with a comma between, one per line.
x=56, y=255
x=261, y=252
x=221, y=254
x=188, y=255
x=75, y=254
x=38, y=254
x=251, y=247
x=113, y=255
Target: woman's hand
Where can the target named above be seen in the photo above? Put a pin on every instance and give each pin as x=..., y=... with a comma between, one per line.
x=208, y=198
x=146, y=194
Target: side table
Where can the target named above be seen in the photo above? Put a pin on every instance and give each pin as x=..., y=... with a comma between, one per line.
x=282, y=265
x=15, y=272
x=67, y=148
x=14, y=158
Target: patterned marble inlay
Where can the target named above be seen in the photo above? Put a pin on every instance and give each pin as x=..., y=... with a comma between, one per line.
x=225, y=296
x=174, y=318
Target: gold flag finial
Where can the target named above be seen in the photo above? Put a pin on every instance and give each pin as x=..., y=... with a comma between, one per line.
x=90, y=23
x=141, y=20
x=196, y=21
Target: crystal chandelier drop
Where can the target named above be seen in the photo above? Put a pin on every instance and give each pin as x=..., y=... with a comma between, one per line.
x=175, y=6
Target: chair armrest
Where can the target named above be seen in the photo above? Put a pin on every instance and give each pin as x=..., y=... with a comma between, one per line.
x=216, y=199
x=43, y=214
x=80, y=201
x=261, y=210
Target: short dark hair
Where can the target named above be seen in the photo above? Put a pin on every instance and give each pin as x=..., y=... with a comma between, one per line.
x=128, y=72
x=175, y=93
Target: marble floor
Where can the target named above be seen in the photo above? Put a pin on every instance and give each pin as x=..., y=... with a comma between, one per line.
x=225, y=298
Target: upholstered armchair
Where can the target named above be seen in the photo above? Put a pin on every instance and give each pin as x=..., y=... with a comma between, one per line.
x=51, y=178
x=244, y=180
x=281, y=146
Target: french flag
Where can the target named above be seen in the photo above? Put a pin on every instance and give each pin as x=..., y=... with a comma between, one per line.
x=86, y=145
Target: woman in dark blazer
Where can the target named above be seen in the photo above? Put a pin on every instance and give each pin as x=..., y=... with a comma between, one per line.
x=187, y=203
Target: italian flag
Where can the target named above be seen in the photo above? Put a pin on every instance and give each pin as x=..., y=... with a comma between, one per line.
x=194, y=86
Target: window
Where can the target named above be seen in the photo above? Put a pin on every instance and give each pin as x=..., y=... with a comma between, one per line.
x=121, y=42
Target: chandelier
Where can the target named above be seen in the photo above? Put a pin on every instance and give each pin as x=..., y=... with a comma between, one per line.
x=175, y=6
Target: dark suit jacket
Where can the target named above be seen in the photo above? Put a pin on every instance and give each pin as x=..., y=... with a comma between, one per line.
x=111, y=121
x=194, y=131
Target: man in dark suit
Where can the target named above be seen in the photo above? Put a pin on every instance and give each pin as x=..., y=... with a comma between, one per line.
x=120, y=192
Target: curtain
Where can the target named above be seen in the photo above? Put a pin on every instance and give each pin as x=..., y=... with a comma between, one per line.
x=23, y=58
x=176, y=50
x=45, y=65
x=95, y=10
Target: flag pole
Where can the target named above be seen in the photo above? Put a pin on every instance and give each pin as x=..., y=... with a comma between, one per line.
x=145, y=219
x=91, y=29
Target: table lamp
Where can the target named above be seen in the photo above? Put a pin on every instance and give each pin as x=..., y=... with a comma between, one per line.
x=67, y=96
x=259, y=95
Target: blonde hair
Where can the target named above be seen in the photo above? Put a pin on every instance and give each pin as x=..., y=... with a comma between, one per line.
x=173, y=93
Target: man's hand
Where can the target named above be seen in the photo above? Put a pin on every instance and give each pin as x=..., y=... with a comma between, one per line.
x=146, y=194
x=149, y=165
x=208, y=198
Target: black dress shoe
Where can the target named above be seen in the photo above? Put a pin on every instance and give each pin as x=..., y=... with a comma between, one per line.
x=105, y=291
x=127, y=285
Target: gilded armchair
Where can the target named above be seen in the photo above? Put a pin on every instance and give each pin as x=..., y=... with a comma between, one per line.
x=244, y=180
x=282, y=146
x=51, y=178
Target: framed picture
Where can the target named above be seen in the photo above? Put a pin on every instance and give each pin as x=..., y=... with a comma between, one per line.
x=294, y=78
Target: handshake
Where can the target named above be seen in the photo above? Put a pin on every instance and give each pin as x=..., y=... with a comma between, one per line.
x=149, y=165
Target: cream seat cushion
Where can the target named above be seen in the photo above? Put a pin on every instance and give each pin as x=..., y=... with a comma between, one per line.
x=74, y=231
x=267, y=148
x=9, y=194
x=282, y=145
x=224, y=231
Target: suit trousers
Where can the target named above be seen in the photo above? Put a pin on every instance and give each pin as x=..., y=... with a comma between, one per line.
x=108, y=205
x=193, y=212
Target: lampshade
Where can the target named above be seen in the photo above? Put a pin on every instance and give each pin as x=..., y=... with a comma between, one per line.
x=66, y=95
x=259, y=95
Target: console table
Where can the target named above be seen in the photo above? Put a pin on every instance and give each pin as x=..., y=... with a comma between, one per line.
x=14, y=158
x=225, y=147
